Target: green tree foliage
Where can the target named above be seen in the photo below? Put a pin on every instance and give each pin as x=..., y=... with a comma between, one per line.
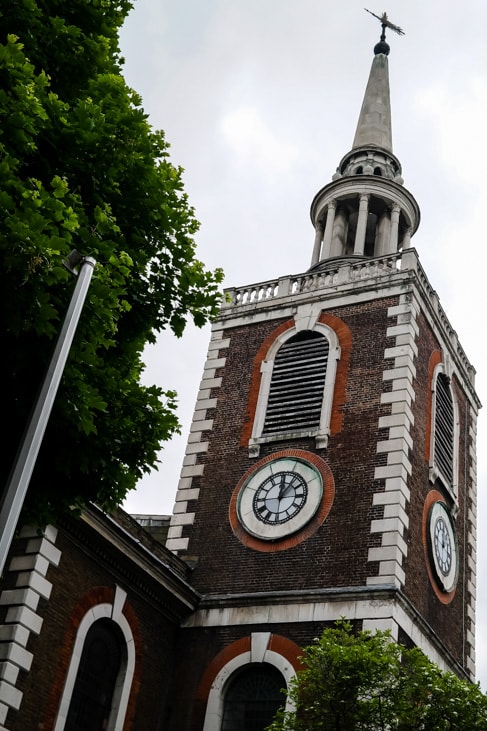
x=80, y=167
x=367, y=682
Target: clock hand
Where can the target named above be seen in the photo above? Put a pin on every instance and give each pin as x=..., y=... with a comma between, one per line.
x=282, y=487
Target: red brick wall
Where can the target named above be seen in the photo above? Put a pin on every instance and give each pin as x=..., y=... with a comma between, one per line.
x=336, y=555
x=202, y=652
x=80, y=582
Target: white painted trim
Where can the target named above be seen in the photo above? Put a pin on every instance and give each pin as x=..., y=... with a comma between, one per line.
x=374, y=613
x=321, y=610
x=393, y=549
x=194, y=447
x=124, y=680
x=303, y=321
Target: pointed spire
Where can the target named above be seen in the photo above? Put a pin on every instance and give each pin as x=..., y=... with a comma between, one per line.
x=374, y=125
x=366, y=211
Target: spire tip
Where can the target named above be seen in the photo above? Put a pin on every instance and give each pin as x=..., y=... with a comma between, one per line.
x=382, y=46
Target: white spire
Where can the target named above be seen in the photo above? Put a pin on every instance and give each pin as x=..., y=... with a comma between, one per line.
x=374, y=125
x=366, y=211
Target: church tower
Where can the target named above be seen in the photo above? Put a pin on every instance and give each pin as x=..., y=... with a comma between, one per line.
x=330, y=469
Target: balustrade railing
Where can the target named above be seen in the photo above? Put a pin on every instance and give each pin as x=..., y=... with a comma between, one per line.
x=346, y=271
x=342, y=272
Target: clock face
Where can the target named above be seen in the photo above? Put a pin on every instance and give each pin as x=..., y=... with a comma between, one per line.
x=279, y=498
x=443, y=546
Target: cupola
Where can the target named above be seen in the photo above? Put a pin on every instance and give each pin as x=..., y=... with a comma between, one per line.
x=366, y=211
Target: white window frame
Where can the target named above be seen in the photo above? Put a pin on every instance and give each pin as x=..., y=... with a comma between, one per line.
x=123, y=683
x=435, y=472
x=216, y=696
x=322, y=432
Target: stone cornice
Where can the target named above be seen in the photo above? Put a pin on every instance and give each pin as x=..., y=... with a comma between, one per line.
x=300, y=606
x=128, y=557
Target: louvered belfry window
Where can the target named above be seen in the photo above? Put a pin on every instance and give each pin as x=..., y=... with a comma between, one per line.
x=444, y=428
x=298, y=380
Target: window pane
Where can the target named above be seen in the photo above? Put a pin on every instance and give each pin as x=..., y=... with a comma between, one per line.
x=252, y=699
x=99, y=666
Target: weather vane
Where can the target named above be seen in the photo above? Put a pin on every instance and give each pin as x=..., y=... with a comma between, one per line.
x=386, y=23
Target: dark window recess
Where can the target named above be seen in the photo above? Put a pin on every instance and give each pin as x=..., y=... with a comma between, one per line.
x=298, y=380
x=91, y=700
x=252, y=699
x=444, y=428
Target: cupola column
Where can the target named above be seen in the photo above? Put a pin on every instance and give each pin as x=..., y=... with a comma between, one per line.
x=396, y=209
x=317, y=245
x=406, y=241
x=363, y=212
x=330, y=220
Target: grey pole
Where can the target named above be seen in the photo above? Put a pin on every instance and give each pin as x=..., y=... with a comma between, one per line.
x=18, y=482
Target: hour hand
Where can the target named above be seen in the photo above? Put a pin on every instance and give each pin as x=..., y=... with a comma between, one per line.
x=282, y=487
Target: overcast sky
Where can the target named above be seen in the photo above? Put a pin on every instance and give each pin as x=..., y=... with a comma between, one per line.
x=259, y=100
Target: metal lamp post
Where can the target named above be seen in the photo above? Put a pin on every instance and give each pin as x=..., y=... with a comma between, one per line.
x=18, y=481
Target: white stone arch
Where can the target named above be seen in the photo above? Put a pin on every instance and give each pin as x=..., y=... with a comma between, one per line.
x=257, y=653
x=320, y=433
x=123, y=683
x=435, y=471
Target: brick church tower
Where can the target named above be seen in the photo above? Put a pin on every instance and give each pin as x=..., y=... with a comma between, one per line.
x=331, y=465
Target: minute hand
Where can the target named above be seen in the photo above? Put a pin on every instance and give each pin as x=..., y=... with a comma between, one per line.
x=284, y=488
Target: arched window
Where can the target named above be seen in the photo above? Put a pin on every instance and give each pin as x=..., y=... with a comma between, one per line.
x=245, y=683
x=100, y=671
x=444, y=433
x=296, y=389
x=99, y=667
x=252, y=698
x=297, y=383
x=444, y=445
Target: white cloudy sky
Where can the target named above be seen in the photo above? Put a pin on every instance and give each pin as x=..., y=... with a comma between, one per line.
x=259, y=100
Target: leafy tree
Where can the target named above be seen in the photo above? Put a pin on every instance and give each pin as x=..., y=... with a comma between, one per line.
x=81, y=168
x=365, y=681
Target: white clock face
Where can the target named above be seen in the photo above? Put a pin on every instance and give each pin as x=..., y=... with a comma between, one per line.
x=279, y=498
x=443, y=546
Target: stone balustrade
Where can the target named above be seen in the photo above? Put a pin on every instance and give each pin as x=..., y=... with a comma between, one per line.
x=346, y=271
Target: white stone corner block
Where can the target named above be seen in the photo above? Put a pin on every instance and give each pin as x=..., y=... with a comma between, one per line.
x=10, y=695
x=9, y=672
x=35, y=581
x=14, y=633
x=45, y=548
x=26, y=617
x=177, y=544
x=31, y=562
x=16, y=654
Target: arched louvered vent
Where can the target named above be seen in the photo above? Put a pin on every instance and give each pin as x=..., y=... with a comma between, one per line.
x=444, y=428
x=298, y=380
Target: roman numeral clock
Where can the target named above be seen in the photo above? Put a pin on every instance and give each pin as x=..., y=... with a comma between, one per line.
x=280, y=496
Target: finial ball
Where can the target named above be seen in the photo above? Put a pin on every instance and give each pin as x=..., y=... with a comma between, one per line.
x=382, y=47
